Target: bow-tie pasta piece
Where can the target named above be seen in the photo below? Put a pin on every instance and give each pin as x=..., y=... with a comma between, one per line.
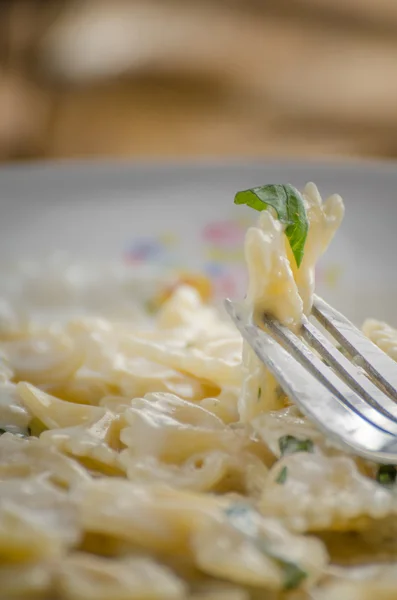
x=48, y=358
x=94, y=444
x=200, y=473
x=138, y=376
x=55, y=413
x=182, y=410
x=228, y=347
x=97, y=340
x=216, y=471
x=272, y=290
x=88, y=577
x=37, y=520
x=153, y=517
x=204, y=362
x=26, y=458
x=184, y=316
x=312, y=492
x=153, y=431
x=271, y=284
x=324, y=221
x=85, y=387
x=167, y=429
x=98, y=343
x=244, y=547
x=116, y=404
x=185, y=309
x=224, y=405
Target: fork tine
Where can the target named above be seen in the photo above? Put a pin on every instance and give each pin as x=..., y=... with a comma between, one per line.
x=350, y=373
x=315, y=400
x=329, y=378
x=378, y=365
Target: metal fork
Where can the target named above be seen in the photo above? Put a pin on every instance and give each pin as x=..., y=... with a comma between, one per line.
x=353, y=401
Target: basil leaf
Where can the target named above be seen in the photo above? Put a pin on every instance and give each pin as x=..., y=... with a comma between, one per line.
x=282, y=476
x=288, y=203
x=386, y=475
x=289, y=444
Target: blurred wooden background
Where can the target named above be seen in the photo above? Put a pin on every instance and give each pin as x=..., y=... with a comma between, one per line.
x=197, y=78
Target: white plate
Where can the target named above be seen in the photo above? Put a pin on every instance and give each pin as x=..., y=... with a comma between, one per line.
x=183, y=215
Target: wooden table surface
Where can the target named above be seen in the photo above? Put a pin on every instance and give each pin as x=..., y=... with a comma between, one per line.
x=186, y=79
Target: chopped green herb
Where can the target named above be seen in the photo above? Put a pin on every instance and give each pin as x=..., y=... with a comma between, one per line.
x=2, y=431
x=240, y=516
x=282, y=476
x=242, y=519
x=289, y=444
x=288, y=203
x=293, y=574
x=386, y=475
x=259, y=393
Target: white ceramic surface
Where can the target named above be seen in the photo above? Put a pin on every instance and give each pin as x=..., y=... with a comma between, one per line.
x=183, y=215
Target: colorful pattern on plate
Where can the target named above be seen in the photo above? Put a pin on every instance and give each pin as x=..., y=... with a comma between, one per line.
x=162, y=249
x=223, y=243
x=222, y=249
x=222, y=254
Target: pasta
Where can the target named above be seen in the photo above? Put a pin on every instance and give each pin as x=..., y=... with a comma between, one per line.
x=324, y=493
x=277, y=287
x=153, y=457
x=88, y=577
x=382, y=335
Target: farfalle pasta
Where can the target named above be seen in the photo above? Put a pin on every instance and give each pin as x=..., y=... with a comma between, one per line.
x=321, y=492
x=382, y=335
x=152, y=456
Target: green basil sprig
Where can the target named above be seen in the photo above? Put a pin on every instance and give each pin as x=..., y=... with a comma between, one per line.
x=288, y=203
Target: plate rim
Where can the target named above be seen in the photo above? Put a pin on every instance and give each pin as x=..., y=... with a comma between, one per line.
x=388, y=166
